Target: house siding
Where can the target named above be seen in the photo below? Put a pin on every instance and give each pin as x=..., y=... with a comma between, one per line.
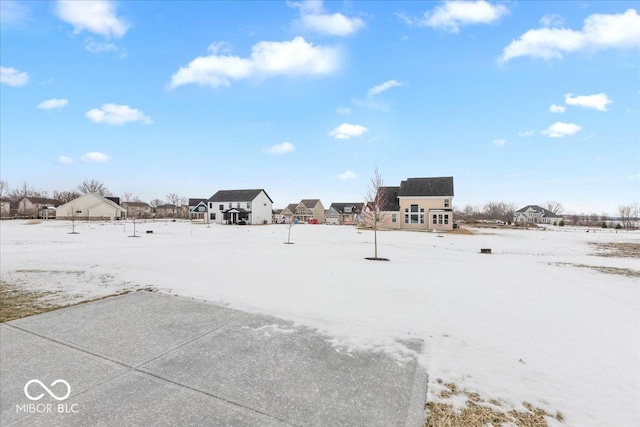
x=427, y=207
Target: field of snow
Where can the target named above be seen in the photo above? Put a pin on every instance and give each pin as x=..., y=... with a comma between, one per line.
x=530, y=322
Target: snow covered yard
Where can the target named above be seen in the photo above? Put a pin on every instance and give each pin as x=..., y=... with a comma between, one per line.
x=532, y=322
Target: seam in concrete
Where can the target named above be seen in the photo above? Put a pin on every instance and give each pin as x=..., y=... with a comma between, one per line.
x=212, y=331
x=139, y=369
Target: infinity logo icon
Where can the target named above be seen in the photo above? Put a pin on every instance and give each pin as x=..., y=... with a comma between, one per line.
x=52, y=394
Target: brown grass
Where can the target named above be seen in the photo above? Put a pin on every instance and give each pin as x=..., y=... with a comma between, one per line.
x=480, y=413
x=607, y=270
x=34, y=222
x=16, y=303
x=462, y=231
x=617, y=250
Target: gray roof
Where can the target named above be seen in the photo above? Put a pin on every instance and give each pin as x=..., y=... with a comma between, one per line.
x=339, y=207
x=237, y=195
x=43, y=201
x=414, y=187
x=310, y=203
x=390, y=199
x=196, y=202
x=136, y=204
x=539, y=209
x=291, y=207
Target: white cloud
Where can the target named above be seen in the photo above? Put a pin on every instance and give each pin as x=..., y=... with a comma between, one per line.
x=50, y=104
x=452, y=15
x=343, y=110
x=552, y=20
x=219, y=47
x=12, y=77
x=371, y=104
x=526, y=133
x=95, y=157
x=268, y=59
x=598, y=101
x=97, y=16
x=65, y=160
x=347, y=176
x=13, y=12
x=560, y=130
x=94, y=46
x=348, y=131
x=557, y=108
x=599, y=32
x=499, y=142
x=376, y=90
x=634, y=176
x=283, y=148
x=114, y=114
x=314, y=19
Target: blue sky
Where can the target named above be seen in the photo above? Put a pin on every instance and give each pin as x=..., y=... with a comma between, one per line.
x=522, y=102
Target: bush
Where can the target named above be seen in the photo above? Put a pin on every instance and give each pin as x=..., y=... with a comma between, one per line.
x=618, y=226
x=604, y=225
x=561, y=223
x=555, y=223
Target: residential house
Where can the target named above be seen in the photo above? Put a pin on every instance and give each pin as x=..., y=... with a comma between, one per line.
x=535, y=214
x=309, y=209
x=276, y=216
x=198, y=209
x=169, y=210
x=91, y=206
x=240, y=207
x=418, y=204
x=37, y=207
x=5, y=208
x=343, y=213
x=136, y=209
x=287, y=213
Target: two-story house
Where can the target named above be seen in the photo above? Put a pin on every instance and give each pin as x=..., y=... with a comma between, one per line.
x=240, y=207
x=343, y=213
x=309, y=209
x=419, y=204
x=137, y=209
x=535, y=214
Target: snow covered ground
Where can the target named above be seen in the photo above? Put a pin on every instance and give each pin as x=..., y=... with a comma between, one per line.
x=522, y=324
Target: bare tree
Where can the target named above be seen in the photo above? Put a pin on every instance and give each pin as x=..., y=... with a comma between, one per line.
x=626, y=213
x=66, y=196
x=4, y=189
x=93, y=186
x=553, y=206
x=72, y=214
x=128, y=197
x=499, y=210
x=176, y=201
x=290, y=224
x=374, y=204
x=155, y=203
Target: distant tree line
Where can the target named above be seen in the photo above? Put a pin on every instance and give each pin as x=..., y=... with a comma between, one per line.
x=171, y=206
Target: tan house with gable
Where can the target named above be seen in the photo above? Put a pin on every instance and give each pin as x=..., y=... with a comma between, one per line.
x=91, y=206
x=137, y=209
x=309, y=209
x=37, y=207
x=419, y=204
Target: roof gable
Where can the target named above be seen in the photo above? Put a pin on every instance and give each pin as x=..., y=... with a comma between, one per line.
x=416, y=187
x=389, y=199
x=310, y=203
x=340, y=207
x=197, y=201
x=237, y=195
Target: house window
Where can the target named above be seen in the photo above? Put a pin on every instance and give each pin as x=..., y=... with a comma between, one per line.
x=446, y=219
x=230, y=205
x=212, y=216
x=210, y=205
x=221, y=207
x=393, y=217
x=446, y=203
x=435, y=219
x=238, y=205
x=417, y=215
x=414, y=208
x=439, y=218
x=248, y=205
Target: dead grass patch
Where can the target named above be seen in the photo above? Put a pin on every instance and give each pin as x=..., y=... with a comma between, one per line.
x=607, y=270
x=16, y=303
x=464, y=231
x=34, y=222
x=481, y=413
x=617, y=250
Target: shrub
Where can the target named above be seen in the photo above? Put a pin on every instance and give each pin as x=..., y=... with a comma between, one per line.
x=618, y=226
x=561, y=224
x=604, y=225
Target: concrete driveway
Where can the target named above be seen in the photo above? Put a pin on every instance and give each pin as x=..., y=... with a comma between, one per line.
x=152, y=359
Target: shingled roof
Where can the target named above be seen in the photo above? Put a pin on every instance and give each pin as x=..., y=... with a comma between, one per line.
x=310, y=203
x=196, y=202
x=415, y=187
x=43, y=201
x=539, y=209
x=390, y=199
x=339, y=207
x=237, y=195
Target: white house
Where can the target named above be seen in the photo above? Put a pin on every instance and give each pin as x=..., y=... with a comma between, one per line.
x=91, y=206
x=535, y=214
x=240, y=207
